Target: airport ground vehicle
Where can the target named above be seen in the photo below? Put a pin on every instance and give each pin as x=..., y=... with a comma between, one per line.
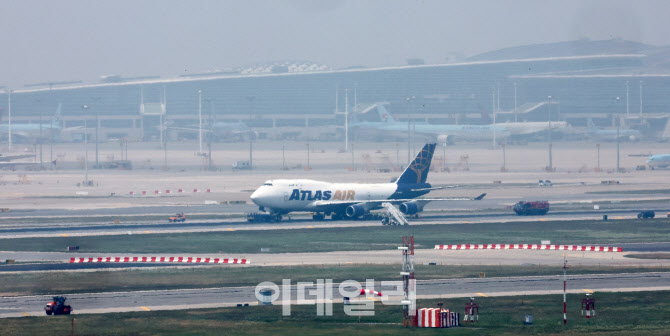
x=58, y=306
x=259, y=217
x=536, y=208
x=177, y=218
x=646, y=214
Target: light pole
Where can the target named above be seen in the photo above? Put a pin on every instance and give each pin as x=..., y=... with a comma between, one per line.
x=97, y=129
x=353, y=162
x=551, y=165
x=9, y=117
x=41, y=139
x=283, y=156
x=200, y=123
x=618, y=126
x=409, y=137
x=85, y=109
x=346, y=119
x=598, y=148
x=504, y=167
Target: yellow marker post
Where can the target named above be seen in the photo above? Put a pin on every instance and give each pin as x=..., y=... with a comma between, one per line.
x=482, y=294
x=64, y=235
x=229, y=229
x=25, y=314
x=145, y=308
x=310, y=227
x=542, y=219
x=619, y=217
x=147, y=231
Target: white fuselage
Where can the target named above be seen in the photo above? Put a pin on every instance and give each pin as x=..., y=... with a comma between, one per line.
x=659, y=161
x=283, y=196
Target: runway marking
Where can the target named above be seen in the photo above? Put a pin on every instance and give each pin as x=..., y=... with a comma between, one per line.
x=619, y=217
x=229, y=229
x=588, y=291
x=145, y=308
x=466, y=222
x=25, y=314
x=310, y=227
x=482, y=294
x=542, y=219
x=371, y=298
x=64, y=235
x=147, y=231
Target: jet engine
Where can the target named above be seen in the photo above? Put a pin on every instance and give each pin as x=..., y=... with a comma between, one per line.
x=355, y=210
x=410, y=208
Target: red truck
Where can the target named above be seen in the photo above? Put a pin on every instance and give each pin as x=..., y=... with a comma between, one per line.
x=537, y=208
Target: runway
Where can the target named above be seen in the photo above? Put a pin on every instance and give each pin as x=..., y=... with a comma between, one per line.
x=298, y=221
x=90, y=303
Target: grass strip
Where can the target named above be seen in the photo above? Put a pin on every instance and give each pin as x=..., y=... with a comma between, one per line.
x=642, y=313
x=577, y=232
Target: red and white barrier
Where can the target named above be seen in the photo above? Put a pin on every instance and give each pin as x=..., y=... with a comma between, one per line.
x=429, y=317
x=528, y=247
x=369, y=292
x=191, y=260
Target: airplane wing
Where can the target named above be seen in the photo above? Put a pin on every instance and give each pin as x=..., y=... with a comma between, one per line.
x=436, y=188
x=7, y=158
x=326, y=204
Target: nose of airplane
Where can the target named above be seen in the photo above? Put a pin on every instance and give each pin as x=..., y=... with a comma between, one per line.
x=256, y=197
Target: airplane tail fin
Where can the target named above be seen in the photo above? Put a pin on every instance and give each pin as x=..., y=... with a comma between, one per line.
x=57, y=121
x=384, y=115
x=590, y=124
x=417, y=171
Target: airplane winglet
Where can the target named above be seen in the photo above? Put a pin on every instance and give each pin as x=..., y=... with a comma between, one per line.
x=480, y=197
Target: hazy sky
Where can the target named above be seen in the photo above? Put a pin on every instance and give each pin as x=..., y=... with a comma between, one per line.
x=81, y=40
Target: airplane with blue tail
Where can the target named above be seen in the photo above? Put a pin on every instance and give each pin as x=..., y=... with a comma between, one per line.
x=611, y=134
x=352, y=200
x=23, y=132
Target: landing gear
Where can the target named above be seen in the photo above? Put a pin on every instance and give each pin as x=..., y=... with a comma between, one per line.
x=336, y=216
x=318, y=216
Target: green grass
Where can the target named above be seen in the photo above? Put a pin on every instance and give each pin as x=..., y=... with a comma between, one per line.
x=358, y=238
x=34, y=283
x=644, y=313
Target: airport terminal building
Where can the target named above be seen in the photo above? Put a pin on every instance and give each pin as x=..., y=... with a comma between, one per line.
x=531, y=83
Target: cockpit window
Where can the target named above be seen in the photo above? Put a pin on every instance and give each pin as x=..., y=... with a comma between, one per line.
x=267, y=184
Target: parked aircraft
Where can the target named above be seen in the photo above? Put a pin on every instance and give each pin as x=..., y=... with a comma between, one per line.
x=22, y=132
x=351, y=200
x=376, y=118
x=659, y=161
x=610, y=134
x=219, y=129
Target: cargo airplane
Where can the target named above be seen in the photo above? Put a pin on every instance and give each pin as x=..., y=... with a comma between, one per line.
x=352, y=200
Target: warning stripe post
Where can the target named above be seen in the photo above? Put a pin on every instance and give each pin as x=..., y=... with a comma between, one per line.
x=529, y=247
x=192, y=260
